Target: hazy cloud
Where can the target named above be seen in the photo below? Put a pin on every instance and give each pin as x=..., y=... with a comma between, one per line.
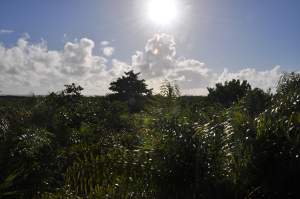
x=6, y=31
x=104, y=43
x=119, y=67
x=108, y=51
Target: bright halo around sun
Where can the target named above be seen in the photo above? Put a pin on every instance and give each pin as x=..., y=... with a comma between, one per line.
x=162, y=12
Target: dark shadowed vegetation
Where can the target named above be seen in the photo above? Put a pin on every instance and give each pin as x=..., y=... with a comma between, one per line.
x=237, y=142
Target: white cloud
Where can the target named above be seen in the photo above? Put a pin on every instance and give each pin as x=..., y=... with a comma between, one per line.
x=104, y=43
x=27, y=68
x=261, y=79
x=158, y=57
x=159, y=61
x=108, y=51
x=6, y=31
x=118, y=68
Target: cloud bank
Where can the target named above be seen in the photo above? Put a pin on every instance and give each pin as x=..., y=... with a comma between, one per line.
x=33, y=68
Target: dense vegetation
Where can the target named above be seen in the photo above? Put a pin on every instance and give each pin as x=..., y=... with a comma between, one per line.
x=238, y=142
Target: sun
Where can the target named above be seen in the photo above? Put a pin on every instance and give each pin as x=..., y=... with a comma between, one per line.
x=162, y=12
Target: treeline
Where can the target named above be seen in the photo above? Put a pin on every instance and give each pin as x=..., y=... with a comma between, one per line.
x=237, y=142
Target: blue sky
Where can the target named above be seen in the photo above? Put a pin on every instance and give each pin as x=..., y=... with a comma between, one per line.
x=232, y=34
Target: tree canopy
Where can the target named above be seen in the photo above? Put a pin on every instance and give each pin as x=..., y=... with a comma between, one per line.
x=131, y=89
x=229, y=92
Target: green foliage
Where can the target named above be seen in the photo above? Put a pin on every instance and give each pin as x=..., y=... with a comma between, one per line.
x=235, y=143
x=174, y=150
x=289, y=83
x=228, y=93
x=276, y=161
x=256, y=101
x=113, y=172
x=224, y=150
x=169, y=91
x=130, y=89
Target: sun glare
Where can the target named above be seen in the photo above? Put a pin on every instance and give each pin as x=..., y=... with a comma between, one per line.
x=162, y=12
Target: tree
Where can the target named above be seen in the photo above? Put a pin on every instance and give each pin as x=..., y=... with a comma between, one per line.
x=72, y=89
x=170, y=91
x=70, y=96
x=131, y=89
x=228, y=93
x=289, y=83
x=256, y=101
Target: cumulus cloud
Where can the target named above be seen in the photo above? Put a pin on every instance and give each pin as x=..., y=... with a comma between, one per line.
x=158, y=57
x=6, y=31
x=29, y=68
x=108, y=51
x=32, y=67
x=119, y=67
x=159, y=61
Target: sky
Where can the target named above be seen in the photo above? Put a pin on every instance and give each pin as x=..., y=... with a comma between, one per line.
x=45, y=44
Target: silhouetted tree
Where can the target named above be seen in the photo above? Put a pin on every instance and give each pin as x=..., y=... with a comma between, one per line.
x=169, y=93
x=228, y=93
x=68, y=97
x=72, y=89
x=131, y=89
x=256, y=101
